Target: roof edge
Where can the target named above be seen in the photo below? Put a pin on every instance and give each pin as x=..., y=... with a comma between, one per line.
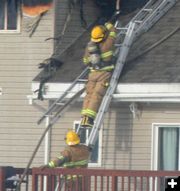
x=134, y=92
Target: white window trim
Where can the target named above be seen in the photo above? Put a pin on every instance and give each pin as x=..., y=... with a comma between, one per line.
x=154, y=141
x=99, y=162
x=18, y=23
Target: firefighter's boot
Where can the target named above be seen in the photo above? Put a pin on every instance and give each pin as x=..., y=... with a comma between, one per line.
x=87, y=122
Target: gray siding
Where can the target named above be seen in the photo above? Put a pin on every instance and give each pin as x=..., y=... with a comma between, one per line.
x=127, y=141
x=19, y=58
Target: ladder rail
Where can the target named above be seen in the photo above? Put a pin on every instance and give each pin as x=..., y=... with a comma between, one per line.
x=138, y=16
x=143, y=14
x=55, y=105
x=163, y=7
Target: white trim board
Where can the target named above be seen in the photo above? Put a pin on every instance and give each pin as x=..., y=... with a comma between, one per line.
x=141, y=92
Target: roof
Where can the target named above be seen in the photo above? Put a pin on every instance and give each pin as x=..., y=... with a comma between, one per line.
x=157, y=65
x=161, y=63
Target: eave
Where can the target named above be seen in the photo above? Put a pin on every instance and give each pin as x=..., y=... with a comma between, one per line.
x=125, y=92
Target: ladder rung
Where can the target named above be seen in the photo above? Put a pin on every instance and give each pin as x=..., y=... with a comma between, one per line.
x=70, y=92
x=60, y=103
x=138, y=22
x=122, y=28
x=49, y=115
x=118, y=45
x=82, y=80
x=147, y=10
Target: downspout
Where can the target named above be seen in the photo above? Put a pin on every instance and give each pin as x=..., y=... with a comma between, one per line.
x=47, y=143
x=47, y=146
x=117, y=5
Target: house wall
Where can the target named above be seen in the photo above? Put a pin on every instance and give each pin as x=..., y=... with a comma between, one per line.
x=19, y=58
x=126, y=142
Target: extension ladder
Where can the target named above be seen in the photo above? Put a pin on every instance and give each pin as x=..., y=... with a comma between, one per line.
x=144, y=20
x=139, y=24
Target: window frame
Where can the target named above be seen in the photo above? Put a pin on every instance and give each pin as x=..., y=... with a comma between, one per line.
x=99, y=161
x=17, y=30
x=155, y=141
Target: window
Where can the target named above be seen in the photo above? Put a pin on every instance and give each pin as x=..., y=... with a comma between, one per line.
x=95, y=159
x=168, y=151
x=9, y=16
x=166, y=148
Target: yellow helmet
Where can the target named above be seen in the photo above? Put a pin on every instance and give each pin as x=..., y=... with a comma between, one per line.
x=98, y=33
x=72, y=138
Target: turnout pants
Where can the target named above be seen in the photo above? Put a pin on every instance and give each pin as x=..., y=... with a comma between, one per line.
x=98, y=82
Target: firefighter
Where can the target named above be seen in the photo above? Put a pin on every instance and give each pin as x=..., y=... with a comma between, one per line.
x=99, y=57
x=75, y=155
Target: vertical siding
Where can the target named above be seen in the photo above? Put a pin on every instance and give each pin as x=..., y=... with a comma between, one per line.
x=19, y=58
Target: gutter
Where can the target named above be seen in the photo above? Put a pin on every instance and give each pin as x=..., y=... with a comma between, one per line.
x=125, y=92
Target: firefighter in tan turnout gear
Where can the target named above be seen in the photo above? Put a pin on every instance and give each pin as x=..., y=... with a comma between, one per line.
x=99, y=57
x=75, y=155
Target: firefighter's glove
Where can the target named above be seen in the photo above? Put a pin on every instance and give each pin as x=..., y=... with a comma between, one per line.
x=108, y=25
x=43, y=167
